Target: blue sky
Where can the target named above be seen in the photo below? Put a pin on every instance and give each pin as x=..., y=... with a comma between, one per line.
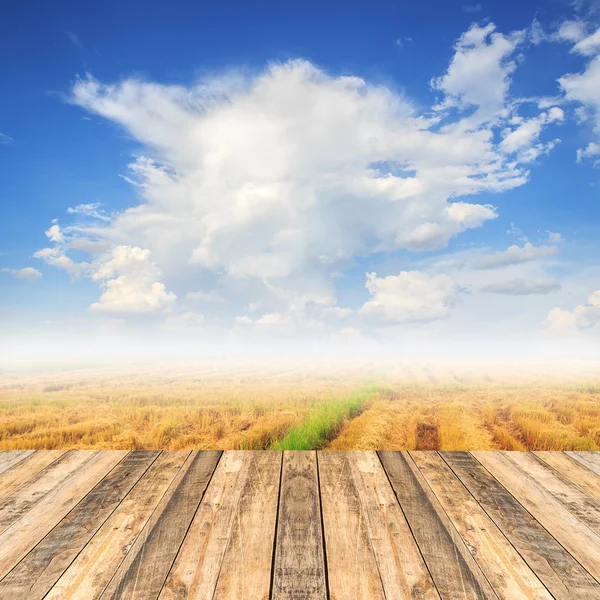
x=341, y=172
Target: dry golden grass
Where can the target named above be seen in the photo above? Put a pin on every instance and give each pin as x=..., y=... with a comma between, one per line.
x=483, y=416
x=206, y=407
x=255, y=406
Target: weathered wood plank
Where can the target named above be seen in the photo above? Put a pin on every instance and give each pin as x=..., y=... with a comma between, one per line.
x=246, y=568
x=576, y=537
x=90, y=573
x=33, y=577
x=24, y=534
x=299, y=568
x=198, y=564
x=581, y=504
x=455, y=573
x=564, y=577
x=403, y=571
x=145, y=568
x=10, y=458
x=574, y=471
x=196, y=569
x=507, y=572
x=22, y=500
x=351, y=564
x=590, y=460
x=13, y=478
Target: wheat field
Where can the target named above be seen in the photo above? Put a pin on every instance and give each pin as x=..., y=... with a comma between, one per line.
x=301, y=405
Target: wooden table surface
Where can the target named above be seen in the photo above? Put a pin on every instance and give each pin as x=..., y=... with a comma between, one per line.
x=149, y=525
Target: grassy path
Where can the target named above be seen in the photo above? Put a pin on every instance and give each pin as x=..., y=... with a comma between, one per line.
x=325, y=421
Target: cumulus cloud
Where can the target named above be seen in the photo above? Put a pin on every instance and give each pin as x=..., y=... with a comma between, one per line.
x=411, y=296
x=54, y=234
x=584, y=87
x=261, y=189
x=28, y=273
x=522, y=287
x=479, y=73
x=515, y=255
x=584, y=317
x=130, y=284
x=592, y=151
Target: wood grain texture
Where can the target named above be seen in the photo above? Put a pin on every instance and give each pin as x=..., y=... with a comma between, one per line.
x=102, y=525
x=578, y=502
x=145, y=568
x=25, y=533
x=90, y=573
x=455, y=573
x=299, y=566
x=401, y=566
x=14, y=478
x=507, y=572
x=574, y=471
x=53, y=477
x=35, y=575
x=10, y=458
x=562, y=575
x=246, y=568
x=581, y=542
x=590, y=460
x=351, y=563
x=196, y=569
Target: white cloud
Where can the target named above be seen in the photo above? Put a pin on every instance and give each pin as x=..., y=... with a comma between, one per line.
x=472, y=8
x=130, y=284
x=582, y=317
x=588, y=46
x=408, y=297
x=522, y=287
x=584, y=88
x=479, y=73
x=92, y=210
x=515, y=255
x=265, y=188
x=571, y=31
x=591, y=151
x=554, y=238
x=5, y=139
x=523, y=139
x=54, y=234
x=56, y=257
x=28, y=273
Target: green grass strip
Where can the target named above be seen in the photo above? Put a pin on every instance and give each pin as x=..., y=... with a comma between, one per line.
x=325, y=420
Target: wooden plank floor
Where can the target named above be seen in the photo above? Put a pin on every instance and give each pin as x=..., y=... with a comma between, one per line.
x=150, y=525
